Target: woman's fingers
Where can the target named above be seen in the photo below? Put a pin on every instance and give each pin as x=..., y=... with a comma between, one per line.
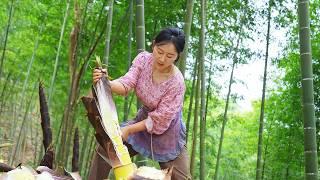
x=104, y=71
x=98, y=74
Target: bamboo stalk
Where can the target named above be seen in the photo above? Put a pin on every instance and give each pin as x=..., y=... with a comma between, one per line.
x=58, y=51
x=261, y=121
x=308, y=107
x=6, y=37
x=75, y=157
x=126, y=99
x=203, y=89
x=108, y=33
x=2, y=97
x=225, y=114
x=191, y=100
x=83, y=148
x=14, y=153
x=195, y=123
x=187, y=32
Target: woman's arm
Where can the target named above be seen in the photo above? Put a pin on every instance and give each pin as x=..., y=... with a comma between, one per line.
x=124, y=84
x=133, y=128
x=118, y=88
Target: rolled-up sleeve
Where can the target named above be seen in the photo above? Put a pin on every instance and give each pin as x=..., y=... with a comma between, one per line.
x=129, y=80
x=159, y=120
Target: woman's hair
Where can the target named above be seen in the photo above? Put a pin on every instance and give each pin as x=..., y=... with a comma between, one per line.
x=172, y=35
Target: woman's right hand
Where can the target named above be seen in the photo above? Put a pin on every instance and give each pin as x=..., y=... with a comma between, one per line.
x=98, y=74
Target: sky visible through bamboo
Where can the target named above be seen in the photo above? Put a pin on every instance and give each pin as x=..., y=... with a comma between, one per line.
x=251, y=74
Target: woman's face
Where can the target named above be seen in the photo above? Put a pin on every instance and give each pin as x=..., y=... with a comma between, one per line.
x=164, y=56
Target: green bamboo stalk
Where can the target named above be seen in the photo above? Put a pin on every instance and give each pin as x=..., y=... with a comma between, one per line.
x=191, y=99
x=35, y=48
x=140, y=27
x=83, y=148
x=203, y=88
x=187, y=30
x=308, y=109
x=6, y=37
x=2, y=97
x=261, y=121
x=225, y=114
x=14, y=117
x=73, y=96
x=91, y=150
x=209, y=88
x=62, y=155
x=140, y=31
x=264, y=162
x=108, y=33
x=195, y=123
x=21, y=128
x=36, y=151
x=20, y=154
x=126, y=100
x=58, y=52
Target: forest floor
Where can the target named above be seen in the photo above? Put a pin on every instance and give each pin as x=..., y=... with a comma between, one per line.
x=27, y=156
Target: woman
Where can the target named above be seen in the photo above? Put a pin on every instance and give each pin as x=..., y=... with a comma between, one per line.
x=157, y=131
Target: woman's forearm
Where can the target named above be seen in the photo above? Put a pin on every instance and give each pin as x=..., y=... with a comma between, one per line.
x=118, y=88
x=133, y=128
x=137, y=127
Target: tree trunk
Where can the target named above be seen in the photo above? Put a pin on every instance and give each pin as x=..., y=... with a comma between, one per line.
x=6, y=37
x=73, y=96
x=140, y=31
x=310, y=146
x=203, y=88
x=14, y=117
x=195, y=123
x=187, y=30
x=265, y=157
x=84, y=147
x=261, y=122
x=2, y=96
x=13, y=126
x=126, y=100
x=69, y=109
x=20, y=136
x=53, y=78
x=75, y=154
x=36, y=151
x=108, y=33
x=191, y=99
x=140, y=27
x=209, y=88
x=25, y=84
x=225, y=115
x=89, y=156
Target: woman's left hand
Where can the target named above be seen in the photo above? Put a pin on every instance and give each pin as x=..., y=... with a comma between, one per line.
x=125, y=133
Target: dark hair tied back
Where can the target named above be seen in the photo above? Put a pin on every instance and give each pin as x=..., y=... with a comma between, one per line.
x=173, y=35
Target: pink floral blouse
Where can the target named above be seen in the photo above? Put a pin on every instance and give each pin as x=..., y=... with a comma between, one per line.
x=162, y=109
x=164, y=99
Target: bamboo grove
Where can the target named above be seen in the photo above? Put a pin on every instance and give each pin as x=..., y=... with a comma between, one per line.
x=55, y=43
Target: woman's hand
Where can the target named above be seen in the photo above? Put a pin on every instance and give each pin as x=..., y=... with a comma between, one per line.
x=125, y=133
x=133, y=128
x=98, y=74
